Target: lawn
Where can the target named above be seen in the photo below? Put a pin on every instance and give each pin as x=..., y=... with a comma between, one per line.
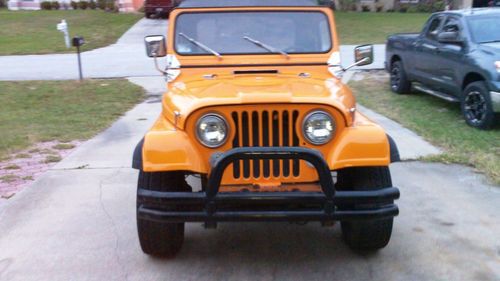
x=373, y=28
x=34, y=32
x=32, y=112
x=439, y=122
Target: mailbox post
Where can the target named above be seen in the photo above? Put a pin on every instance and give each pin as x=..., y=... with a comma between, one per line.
x=63, y=27
x=77, y=42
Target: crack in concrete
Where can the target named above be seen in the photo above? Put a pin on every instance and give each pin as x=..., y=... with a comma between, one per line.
x=90, y=168
x=115, y=230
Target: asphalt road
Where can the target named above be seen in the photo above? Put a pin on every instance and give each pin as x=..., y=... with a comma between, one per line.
x=77, y=222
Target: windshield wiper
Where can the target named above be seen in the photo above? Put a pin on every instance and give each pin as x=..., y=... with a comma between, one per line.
x=265, y=46
x=201, y=45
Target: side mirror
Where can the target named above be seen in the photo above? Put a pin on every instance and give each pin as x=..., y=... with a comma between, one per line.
x=155, y=46
x=449, y=37
x=363, y=55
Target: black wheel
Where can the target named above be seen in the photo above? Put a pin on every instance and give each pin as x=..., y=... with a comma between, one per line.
x=476, y=106
x=371, y=234
x=399, y=80
x=156, y=238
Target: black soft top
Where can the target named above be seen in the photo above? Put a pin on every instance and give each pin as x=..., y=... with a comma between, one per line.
x=247, y=3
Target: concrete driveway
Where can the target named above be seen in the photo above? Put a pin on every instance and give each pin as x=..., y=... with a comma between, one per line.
x=77, y=222
x=126, y=58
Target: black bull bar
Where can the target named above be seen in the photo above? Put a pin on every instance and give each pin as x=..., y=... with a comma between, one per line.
x=211, y=206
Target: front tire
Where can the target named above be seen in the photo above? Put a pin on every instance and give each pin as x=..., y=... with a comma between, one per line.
x=399, y=80
x=476, y=106
x=156, y=238
x=372, y=234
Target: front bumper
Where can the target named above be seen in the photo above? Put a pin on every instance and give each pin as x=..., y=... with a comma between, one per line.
x=211, y=206
x=158, y=9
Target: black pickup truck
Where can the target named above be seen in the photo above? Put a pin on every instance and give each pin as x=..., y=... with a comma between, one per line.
x=456, y=57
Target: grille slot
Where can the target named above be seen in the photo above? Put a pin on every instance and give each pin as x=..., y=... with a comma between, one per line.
x=262, y=129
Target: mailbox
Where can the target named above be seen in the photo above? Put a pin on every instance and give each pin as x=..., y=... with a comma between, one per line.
x=78, y=41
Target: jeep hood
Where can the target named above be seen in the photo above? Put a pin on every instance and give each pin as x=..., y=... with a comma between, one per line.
x=187, y=96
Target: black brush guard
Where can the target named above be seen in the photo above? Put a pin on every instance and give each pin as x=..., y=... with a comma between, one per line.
x=212, y=207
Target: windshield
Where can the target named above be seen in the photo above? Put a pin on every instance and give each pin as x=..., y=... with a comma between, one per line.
x=485, y=29
x=252, y=33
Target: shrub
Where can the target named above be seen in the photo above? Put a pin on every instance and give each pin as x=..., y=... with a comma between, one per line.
x=111, y=7
x=3, y=4
x=438, y=6
x=55, y=5
x=92, y=5
x=424, y=8
x=348, y=5
x=83, y=5
x=365, y=8
x=101, y=4
x=46, y=5
x=413, y=9
x=74, y=5
x=403, y=8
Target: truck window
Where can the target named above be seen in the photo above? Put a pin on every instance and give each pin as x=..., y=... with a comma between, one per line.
x=433, y=29
x=451, y=24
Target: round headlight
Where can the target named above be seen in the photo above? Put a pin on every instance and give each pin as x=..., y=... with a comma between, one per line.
x=211, y=130
x=318, y=127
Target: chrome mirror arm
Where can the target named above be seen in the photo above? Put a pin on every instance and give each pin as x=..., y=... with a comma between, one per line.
x=157, y=66
x=342, y=69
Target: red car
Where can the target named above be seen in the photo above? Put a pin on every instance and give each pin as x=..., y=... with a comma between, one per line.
x=159, y=8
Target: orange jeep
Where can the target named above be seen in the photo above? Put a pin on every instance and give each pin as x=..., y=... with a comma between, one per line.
x=256, y=111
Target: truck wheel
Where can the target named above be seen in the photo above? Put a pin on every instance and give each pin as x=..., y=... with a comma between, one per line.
x=156, y=238
x=371, y=234
x=147, y=15
x=399, y=81
x=476, y=106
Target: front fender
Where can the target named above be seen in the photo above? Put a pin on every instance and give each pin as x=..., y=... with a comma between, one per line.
x=165, y=148
x=365, y=144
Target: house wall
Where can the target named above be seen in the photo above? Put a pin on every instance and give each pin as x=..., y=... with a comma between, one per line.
x=23, y=5
x=124, y=5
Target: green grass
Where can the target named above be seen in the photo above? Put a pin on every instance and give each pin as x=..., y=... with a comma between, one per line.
x=373, y=28
x=439, y=122
x=60, y=110
x=34, y=32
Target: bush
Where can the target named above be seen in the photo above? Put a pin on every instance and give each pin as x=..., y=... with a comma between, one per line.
x=403, y=8
x=83, y=5
x=74, y=5
x=413, y=9
x=365, y=8
x=101, y=4
x=438, y=6
x=92, y=5
x=55, y=5
x=111, y=7
x=46, y=5
x=348, y=5
x=3, y=4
